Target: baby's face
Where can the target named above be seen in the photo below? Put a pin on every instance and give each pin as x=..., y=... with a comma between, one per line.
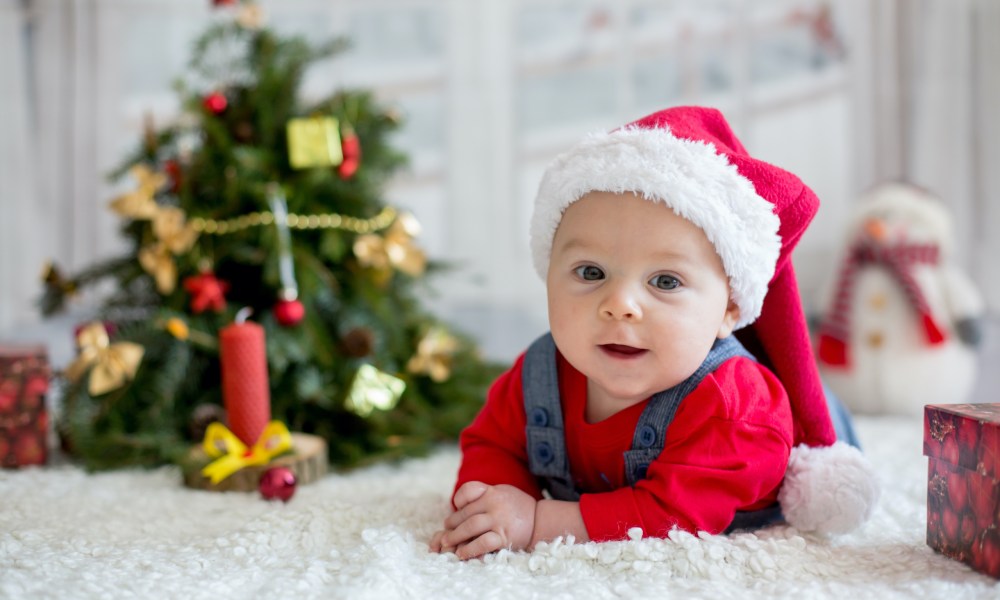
x=637, y=295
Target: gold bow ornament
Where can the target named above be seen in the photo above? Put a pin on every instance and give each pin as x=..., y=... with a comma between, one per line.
x=232, y=455
x=139, y=204
x=110, y=365
x=394, y=250
x=373, y=389
x=433, y=357
x=174, y=237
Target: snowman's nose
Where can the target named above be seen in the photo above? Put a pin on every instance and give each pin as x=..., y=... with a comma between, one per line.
x=876, y=229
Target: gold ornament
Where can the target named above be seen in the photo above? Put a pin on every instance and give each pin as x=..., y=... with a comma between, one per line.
x=373, y=389
x=169, y=227
x=181, y=331
x=177, y=328
x=139, y=204
x=157, y=260
x=320, y=221
x=314, y=142
x=433, y=357
x=110, y=365
x=395, y=249
x=174, y=237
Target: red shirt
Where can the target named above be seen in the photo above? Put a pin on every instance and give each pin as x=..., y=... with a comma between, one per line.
x=726, y=450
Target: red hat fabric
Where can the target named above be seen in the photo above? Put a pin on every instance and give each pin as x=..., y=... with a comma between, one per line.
x=781, y=329
x=754, y=213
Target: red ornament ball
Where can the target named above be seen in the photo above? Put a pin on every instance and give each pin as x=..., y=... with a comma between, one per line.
x=173, y=169
x=348, y=168
x=216, y=103
x=278, y=483
x=351, y=149
x=223, y=2
x=289, y=312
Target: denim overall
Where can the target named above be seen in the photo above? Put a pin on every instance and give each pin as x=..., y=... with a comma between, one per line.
x=547, y=458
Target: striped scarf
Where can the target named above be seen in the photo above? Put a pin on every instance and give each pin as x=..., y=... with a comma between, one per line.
x=897, y=259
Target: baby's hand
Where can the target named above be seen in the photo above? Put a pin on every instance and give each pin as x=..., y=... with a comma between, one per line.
x=436, y=545
x=489, y=517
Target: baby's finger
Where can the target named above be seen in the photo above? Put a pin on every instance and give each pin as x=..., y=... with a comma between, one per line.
x=471, y=528
x=435, y=543
x=469, y=492
x=484, y=544
x=463, y=514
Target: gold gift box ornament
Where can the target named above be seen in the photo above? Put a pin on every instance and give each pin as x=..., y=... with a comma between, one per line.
x=314, y=142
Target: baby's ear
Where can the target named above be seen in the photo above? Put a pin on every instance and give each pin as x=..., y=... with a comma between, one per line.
x=729, y=320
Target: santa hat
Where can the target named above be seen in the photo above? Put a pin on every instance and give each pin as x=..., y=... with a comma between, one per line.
x=754, y=214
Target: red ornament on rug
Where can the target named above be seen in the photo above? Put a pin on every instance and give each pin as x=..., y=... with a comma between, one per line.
x=351, y=149
x=289, y=313
x=278, y=483
x=207, y=292
x=215, y=103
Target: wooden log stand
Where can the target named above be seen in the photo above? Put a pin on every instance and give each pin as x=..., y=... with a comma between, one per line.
x=308, y=461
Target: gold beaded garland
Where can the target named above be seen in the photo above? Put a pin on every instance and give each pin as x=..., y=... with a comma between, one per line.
x=324, y=221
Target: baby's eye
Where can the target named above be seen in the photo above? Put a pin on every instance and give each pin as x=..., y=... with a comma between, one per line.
x=665, y=282
x=589, y=273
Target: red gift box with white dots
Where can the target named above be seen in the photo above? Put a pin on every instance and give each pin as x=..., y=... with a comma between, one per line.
x=24, y=420
x=962, y=442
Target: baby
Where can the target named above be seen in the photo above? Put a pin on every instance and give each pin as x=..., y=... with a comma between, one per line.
x=641, y=408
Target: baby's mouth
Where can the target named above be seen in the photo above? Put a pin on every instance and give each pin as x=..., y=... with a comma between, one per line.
x=621, y=351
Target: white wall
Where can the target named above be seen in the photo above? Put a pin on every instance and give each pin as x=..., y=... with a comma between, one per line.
x=22, y=223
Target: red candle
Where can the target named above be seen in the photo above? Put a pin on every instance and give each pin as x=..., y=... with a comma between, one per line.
x=245, y=390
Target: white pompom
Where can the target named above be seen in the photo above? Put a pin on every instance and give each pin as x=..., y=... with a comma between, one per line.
x=830, y=489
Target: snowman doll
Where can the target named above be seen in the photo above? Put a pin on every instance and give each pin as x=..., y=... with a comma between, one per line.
x=902, y=324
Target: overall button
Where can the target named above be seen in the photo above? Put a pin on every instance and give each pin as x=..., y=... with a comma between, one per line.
x=647, y=436
x=640, y=471
x=539, y=417
x=543, y=452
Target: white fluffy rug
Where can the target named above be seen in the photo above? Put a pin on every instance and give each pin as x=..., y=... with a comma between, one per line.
x=140, y=534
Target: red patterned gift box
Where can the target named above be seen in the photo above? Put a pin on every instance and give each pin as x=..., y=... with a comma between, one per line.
x=24, y=421
x=962, y=442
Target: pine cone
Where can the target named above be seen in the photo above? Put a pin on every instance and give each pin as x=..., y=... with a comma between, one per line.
x=358, y=342
x=203, y=416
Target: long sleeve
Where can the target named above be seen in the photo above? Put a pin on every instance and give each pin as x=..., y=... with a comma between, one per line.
x=726, y=450
x=494, y=444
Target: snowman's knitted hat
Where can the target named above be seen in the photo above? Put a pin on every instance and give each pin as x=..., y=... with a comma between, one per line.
x=754, y=214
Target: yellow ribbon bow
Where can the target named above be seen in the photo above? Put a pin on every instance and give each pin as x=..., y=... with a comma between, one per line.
x=232, y=454
x=396, y=249
x=111, y=365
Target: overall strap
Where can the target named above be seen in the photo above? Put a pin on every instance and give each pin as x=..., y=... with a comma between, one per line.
x=546, y=438
x=545, y=435
x=651, y=430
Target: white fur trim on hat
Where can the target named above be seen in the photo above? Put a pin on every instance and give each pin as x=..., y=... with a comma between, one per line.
x=828, y=489
x=690, y=177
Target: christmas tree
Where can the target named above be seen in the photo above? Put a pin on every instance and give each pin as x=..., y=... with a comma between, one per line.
x=255, y=201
